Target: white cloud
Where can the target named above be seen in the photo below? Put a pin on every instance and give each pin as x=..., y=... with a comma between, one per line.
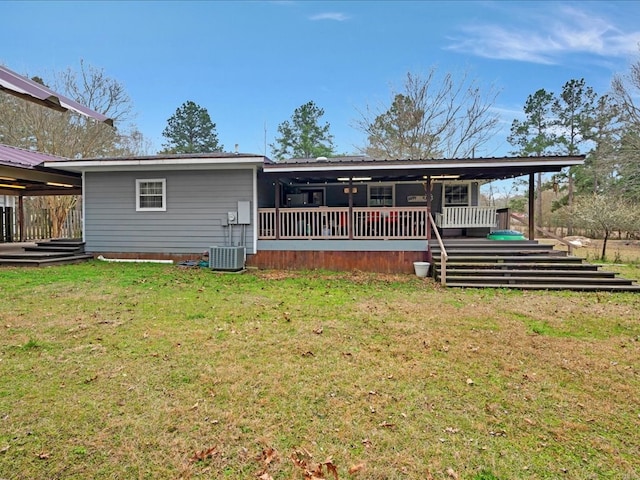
x=336, y=16
x=547, y=36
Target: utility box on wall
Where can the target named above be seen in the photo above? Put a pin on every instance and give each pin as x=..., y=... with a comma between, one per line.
x=244, y=212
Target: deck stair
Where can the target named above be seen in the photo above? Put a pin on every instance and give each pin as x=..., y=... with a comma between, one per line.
x=520, y=264
x=50, y=252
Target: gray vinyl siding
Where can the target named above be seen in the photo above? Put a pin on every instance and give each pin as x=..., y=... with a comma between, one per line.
x=197, y=203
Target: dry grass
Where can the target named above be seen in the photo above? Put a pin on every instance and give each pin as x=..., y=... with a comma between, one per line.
x=147, y=371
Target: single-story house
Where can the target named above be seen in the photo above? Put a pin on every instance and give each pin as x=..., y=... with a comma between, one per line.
x=336, y=213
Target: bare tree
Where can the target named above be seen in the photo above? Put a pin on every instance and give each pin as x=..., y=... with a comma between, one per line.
x=432, y=117
x=626, y=89
x=603, y=214
x=67, y=134
x=70, y=135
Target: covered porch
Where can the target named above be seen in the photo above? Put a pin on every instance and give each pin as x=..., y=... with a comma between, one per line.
x=357, y=212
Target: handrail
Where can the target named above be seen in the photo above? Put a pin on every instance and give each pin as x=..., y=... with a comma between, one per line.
x=342, y=223
x=546, y=232
x=443, y=252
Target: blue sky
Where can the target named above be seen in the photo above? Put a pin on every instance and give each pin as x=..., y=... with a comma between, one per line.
x=250, y=64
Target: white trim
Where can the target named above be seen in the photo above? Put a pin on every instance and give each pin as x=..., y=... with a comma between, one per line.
x=143, y=164
x=255, y=210
x=164, y=195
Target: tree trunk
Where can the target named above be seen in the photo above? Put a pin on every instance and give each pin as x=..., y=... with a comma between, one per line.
x=604, y=245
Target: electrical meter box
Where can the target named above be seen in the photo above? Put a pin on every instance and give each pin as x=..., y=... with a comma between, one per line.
x=244, y=212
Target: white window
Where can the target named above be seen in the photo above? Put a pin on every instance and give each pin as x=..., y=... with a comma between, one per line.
x=381, y=195
x=151, y=195
x=456, y=195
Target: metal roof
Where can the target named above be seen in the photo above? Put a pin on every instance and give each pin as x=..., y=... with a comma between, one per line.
x=31, y=91
x=22, y=172
x=14, y=156
x=490, y=168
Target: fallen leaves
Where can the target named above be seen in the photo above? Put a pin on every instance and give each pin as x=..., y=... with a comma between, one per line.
x=303, y=460
x=203, y=454
x=267, y=457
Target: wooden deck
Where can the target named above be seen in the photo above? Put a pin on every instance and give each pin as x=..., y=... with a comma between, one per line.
x=40, y=254
x=520, y=264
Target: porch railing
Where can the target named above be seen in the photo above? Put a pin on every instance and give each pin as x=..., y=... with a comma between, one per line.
x=444, y=256
x=466, y=217
x=358, y=223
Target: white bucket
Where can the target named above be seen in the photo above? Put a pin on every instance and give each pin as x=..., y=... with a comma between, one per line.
x=421, y=268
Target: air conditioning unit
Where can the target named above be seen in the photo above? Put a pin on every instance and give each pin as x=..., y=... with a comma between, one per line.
x=226, y=258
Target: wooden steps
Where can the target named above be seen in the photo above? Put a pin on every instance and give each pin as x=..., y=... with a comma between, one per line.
x=521, y=264
x=40, y=254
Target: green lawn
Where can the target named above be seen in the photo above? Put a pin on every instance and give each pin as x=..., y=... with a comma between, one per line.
x=147, y=371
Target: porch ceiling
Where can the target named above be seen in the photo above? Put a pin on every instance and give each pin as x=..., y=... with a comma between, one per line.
x=314, y=170
x=22, y=174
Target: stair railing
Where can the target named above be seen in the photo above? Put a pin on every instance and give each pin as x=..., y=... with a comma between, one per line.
x=547, y=233
x=443, y=252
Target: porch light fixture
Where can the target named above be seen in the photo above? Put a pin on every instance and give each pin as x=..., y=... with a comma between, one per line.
x=6, y=185
x=355, y=179
x=55, y=184
x=8, y=179
x=441, y=177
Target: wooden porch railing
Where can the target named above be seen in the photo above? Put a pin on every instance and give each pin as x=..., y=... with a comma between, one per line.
x=443, y=252
x=466, y=217
x=358, y=223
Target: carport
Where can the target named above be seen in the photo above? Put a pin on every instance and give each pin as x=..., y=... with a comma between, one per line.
x=22, y=174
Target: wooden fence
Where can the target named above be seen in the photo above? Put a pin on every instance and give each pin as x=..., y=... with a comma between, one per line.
x=37, y=225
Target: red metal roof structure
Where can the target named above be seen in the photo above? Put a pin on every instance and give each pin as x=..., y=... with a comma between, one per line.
x=31, y=91
x=22, y=172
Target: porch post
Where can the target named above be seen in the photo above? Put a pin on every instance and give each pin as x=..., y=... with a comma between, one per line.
x=277, y=222
x=532, y=223
x=21, y=217
x=350, y=216
x=428, y=194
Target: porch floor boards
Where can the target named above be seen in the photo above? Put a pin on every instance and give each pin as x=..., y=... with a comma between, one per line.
x=521, y=264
